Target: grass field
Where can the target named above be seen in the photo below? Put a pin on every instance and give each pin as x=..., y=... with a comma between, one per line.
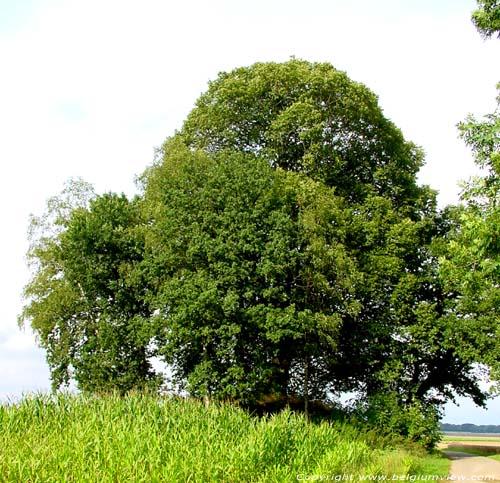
x=470, y=439
x=143, y=438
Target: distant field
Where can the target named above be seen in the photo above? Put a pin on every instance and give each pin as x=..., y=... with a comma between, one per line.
x=469, y=437
x=482, y=445
x=457, y=434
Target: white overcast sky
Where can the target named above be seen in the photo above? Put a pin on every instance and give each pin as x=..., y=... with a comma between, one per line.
x=89, y=87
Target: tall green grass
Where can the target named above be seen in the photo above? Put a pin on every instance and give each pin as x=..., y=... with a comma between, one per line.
x=142, y=438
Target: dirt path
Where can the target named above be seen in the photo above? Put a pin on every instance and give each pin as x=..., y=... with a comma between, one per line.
x=467, y=467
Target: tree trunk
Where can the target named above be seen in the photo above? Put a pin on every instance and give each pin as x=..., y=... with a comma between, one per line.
x=206, y=396
x=306, y=387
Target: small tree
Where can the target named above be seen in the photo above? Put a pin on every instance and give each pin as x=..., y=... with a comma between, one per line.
x=85, y=300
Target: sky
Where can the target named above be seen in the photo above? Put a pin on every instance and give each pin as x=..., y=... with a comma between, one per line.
x=89, y=88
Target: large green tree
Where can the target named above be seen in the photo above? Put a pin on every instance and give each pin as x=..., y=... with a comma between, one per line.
x=280, y=248
x=253, y=272
x=350, y=297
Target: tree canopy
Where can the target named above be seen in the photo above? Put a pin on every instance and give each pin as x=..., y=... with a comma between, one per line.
x=486, y=17
x=307, y=117
x=471, y=263
x=280, y=248
x=253, y=267
x=87, y=304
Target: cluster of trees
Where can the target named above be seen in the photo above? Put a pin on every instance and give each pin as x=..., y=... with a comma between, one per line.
x=471, y=428
x=280, y=247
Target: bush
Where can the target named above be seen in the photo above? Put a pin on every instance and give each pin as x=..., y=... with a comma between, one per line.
x=415, y=422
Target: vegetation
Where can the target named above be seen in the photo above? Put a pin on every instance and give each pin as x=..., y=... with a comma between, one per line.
x=280, y=250
x=477, y=445
x=487, y=17
x=87, y=306
x=468, y=439
x=144, y=438
x=471, y=428
x=431, y=466
x=471, y=267
x=333, y=273
x=476, y=450
x=470, y=263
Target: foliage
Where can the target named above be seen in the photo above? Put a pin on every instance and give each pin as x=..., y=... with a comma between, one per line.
x=280, y=249
x=487, y=17
x=471, y=428
x=469, y=255
x=252, y=271
x=142, y=438
x=434, y=463
x=301, y=212
x=414, y=421
x=86, y=301
x=470, y=264
x=308, y=117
